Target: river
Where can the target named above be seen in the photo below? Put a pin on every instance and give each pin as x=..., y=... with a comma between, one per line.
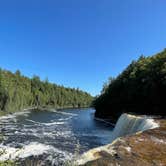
x=51, y=136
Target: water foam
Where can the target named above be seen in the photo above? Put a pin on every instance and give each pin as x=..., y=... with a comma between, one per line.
x=12, y=117
x=46, y=124
x=64, y=113
x=32, y=149
x=129, y=124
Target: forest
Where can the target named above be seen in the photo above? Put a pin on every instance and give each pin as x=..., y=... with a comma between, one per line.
x=139, y=89
x=18, y=92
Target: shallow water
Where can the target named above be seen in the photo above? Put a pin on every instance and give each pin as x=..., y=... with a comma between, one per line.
x=56, y=136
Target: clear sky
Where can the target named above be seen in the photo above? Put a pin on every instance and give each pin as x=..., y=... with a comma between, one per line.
x=79, y=43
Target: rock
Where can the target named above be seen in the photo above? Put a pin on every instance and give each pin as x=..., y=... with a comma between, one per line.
x=141, y=149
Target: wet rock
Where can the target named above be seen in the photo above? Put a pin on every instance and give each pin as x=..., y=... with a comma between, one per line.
x=141, y=149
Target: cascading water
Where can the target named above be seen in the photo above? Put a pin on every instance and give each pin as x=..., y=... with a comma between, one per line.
x=129, y=124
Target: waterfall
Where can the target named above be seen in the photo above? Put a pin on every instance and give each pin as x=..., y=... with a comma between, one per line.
x=129, y=124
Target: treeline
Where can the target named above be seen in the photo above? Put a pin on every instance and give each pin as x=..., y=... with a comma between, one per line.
x=18, y=92
x=140, y=88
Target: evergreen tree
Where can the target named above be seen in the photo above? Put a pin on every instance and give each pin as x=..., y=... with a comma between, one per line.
x=18, y=92
x=140, y=88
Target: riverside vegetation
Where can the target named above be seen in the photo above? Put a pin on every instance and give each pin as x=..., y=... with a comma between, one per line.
x=18, y=92
x=140, y=88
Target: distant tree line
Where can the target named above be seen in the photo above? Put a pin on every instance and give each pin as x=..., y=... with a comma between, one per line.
x=18, y=92
x=140, y=88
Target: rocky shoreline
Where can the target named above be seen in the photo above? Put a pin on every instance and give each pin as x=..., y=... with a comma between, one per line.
x=140, y=149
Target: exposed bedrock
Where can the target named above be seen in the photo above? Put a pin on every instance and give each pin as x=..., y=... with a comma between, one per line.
x=137, y=141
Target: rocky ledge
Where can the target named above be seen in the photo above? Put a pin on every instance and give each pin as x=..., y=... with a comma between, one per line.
x=140, y=149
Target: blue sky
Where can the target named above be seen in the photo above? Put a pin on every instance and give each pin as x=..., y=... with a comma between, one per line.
x=79, y=43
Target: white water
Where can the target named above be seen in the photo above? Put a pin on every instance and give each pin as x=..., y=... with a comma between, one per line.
x=47, y=124
x=129, y=124
x=54, y=135
x=50, y=136
x=28, y=150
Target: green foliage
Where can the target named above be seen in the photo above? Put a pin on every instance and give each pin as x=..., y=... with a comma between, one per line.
x=8, y=163
x=106, y=84
x=18, y=92
x=140, y=88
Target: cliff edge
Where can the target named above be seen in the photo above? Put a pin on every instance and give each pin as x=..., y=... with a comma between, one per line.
x=143, y=148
